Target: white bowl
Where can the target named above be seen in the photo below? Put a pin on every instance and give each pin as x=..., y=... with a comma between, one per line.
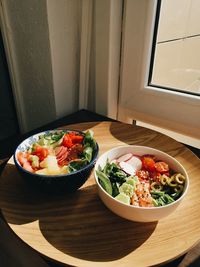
x=134, y=213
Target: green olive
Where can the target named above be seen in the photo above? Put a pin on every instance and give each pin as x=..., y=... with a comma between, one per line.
x=164, y=179
x=179, y=178
x=156, y=186
x=171, y=181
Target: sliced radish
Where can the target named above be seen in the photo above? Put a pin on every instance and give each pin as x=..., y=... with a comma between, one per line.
x=135, y=162
x=126, y=167
x=63, y=154
x=58, y=150
x=125, y=157
x=63, y=150
x=113, y=161
x=62, y=157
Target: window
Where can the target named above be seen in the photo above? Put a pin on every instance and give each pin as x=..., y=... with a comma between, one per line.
x=173, y=110
x=176, y=58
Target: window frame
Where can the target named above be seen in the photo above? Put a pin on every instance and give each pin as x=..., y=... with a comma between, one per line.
x=135, y=96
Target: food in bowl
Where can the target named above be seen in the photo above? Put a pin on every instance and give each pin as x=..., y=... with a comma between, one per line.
x=57, y=152
x=140, y=183
x=143, y=181
x=57, y=160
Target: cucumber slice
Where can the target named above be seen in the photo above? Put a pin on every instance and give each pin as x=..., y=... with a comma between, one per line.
x=126, y=189
x=105, y=182
x=123, y=198
x=130, y=180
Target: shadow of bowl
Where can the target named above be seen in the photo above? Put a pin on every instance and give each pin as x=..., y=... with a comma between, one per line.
x=101, y=235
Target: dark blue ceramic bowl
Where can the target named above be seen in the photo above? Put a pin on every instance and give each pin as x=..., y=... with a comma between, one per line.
x=54, y=183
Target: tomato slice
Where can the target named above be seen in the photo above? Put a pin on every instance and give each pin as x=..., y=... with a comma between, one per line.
x=67, y=141
x=41, y=152
x=77, y=139
x=148, y=163
x=44, y=153
x=161, y=167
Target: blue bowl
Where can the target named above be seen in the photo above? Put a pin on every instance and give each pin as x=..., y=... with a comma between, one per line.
x=69, y=182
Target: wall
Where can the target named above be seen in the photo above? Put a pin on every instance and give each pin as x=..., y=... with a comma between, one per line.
x=41, y=38
x=26, y=30
x=63, y=55
x=64, y=33
x=8, y=122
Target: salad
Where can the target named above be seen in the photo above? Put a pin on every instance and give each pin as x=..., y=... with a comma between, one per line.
x=58, y=152
x=143, y=181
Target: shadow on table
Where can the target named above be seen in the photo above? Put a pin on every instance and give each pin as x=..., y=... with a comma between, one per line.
x=93, y=234
x=19, y=202
x=77, y=224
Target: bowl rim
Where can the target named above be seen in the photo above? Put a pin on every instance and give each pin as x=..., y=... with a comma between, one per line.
x=92, y=162
x=136, y=207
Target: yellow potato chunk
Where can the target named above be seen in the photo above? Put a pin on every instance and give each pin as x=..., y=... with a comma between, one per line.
x=50, y=163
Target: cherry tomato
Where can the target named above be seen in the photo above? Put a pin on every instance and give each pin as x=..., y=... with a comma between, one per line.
x=142, y=174
x=37, y=149
x=148, y=163
x=44, y=153
x=161, y=167
x=77, y=139
x=41, y=152
x=67, y=141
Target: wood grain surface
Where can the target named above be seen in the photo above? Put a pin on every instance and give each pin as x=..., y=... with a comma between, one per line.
x=78, y=230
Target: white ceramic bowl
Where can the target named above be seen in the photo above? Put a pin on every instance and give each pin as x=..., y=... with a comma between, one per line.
x=130, y=212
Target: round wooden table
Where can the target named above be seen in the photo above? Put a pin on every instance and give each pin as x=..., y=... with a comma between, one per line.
x=77, y=229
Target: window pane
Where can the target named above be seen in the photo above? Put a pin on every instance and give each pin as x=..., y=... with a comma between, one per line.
x=176, y=59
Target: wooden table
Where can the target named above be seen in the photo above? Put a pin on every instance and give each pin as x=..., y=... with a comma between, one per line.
x=78, y=230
